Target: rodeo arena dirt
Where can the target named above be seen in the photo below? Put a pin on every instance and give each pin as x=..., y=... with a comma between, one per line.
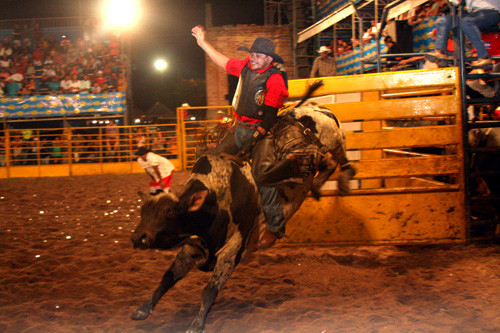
x=67, y=265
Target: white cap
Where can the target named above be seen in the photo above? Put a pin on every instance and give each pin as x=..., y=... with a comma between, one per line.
x=323, y=48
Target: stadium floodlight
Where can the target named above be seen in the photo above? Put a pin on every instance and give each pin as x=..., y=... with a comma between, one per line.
x=160, y=65
x=122, y=14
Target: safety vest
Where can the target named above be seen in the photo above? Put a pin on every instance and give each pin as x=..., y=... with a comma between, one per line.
x=252, y=92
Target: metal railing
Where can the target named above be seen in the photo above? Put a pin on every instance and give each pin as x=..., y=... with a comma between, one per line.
x=78, y=145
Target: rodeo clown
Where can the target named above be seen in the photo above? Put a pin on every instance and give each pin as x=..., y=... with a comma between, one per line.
x=261, y=91
x=158, y=168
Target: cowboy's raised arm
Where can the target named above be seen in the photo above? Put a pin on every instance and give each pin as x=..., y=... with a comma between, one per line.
x=199, y=33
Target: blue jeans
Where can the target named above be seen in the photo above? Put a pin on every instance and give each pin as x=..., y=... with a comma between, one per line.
x=471, y=25
x=271, y=205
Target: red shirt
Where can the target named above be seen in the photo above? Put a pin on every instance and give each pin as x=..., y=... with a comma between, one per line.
x=275, y=86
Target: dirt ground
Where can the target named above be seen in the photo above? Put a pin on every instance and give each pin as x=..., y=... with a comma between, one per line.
x=67, y=265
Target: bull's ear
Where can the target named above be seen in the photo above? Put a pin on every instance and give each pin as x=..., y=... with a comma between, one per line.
x=197, y=200
x=143, y=196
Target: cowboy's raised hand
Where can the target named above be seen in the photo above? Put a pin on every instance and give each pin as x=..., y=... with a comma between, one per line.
x=199, y=33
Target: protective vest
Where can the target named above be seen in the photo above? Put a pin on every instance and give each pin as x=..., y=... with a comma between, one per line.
x=252, y=91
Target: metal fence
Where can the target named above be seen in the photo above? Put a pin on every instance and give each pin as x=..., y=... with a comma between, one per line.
x=77, y=145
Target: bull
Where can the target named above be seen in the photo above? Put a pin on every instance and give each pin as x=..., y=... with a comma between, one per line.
x=216, y=217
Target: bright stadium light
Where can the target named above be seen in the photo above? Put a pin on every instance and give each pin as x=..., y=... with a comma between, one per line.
x=160, y=65
x=121, y=13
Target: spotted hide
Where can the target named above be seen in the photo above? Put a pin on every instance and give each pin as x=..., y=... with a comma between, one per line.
x=212, y=220
x=216, y=217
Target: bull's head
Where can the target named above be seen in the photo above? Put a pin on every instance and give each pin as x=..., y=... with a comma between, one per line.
x=161, y=223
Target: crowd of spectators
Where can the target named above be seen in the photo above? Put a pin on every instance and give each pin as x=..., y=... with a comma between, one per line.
x=107, y=144
x=413, y=17
x=34, y=64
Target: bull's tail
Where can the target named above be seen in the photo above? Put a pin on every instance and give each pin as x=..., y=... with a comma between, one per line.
x=312, y=88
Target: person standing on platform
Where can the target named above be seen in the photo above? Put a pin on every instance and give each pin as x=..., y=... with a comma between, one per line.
x=324, y=65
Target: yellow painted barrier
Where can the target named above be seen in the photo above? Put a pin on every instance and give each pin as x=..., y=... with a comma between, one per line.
x=404, y=139
x=406, y=136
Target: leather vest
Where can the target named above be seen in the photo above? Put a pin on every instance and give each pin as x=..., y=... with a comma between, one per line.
x=253, y=91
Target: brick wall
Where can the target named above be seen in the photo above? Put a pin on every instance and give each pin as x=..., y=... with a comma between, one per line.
x=227, y=39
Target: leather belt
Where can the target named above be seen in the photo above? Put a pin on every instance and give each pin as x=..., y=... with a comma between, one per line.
x=246, y=125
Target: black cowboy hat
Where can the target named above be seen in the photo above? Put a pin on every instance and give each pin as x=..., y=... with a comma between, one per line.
x=141, y=151
x=263, y=45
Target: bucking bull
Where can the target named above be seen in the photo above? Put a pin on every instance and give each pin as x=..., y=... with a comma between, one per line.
x=216, y=218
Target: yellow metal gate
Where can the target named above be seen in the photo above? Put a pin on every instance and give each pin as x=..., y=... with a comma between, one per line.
x=406, y=143
x=404, y=138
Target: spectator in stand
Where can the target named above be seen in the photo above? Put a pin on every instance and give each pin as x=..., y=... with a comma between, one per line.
x=140, y=139
x=341, y=47
x=392, y=47
x=324, y=65
x=6, y=49
x=85, y=85
x=16, y=35
x=4, y=73
x=122, y=83
x=54, y=86
x=371, y=33
x=113, y=82
x=114, y=49
x=26, y=39
x=31, y=86
x=30, y=69
x=74, y=85
x=37, y=34
x=49, y=71
x=416, y=15
x=38, y=55
x=100, y=79
x=24, y=91
x=96, y=88
x=12, y=87
x=437, y=7
x=48, y=60
x=74, y=70
x=2, y=86
x=66, y=84
x=481, y=14
x=59, y=58
x=5, y=62
x=16, y=75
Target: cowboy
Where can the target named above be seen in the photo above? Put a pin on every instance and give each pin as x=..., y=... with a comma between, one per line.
x=262, y=90
x=324, y=65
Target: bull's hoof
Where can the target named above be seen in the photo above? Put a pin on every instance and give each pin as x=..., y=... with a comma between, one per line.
x=143, y=311
x=316, y=190
x=344, y=178
x=197, y=326
x=195, y=330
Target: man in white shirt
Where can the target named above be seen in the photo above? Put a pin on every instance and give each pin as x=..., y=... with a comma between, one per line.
x=158, y=168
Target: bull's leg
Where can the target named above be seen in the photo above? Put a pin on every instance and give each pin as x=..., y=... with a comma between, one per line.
x=326, y=168
x=182, y=264
x=226, y=262
x=347, y=171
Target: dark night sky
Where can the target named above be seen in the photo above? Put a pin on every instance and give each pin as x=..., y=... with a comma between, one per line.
x=164, y=32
